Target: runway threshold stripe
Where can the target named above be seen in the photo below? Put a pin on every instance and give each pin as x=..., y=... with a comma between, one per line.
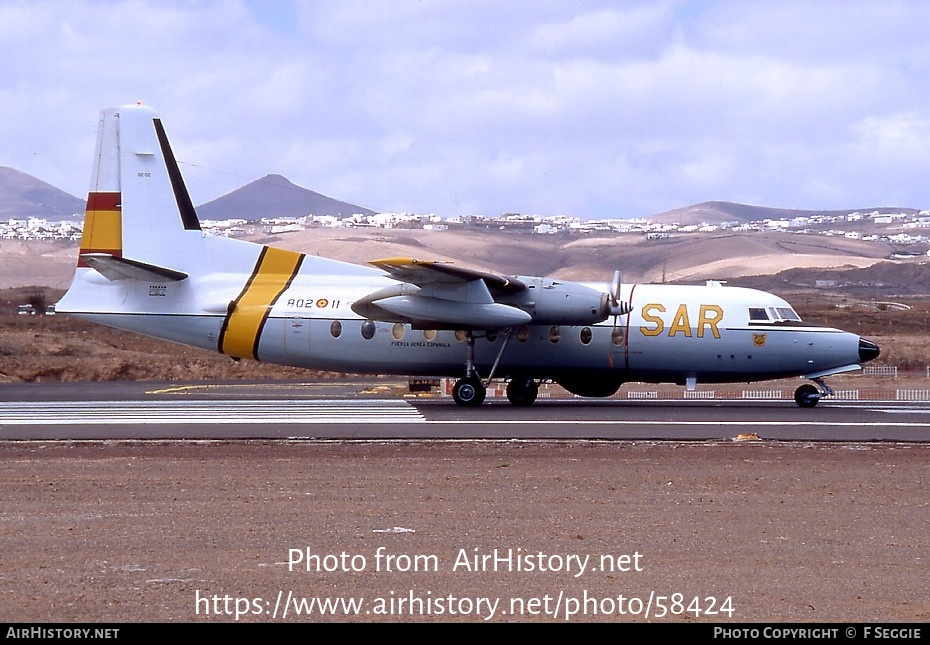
x=206, y=412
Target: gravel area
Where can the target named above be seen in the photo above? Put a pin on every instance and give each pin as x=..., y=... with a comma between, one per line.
x=194, y=531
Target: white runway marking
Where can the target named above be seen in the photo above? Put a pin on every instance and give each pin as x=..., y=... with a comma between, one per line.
x=204, y=412
x=662, y=422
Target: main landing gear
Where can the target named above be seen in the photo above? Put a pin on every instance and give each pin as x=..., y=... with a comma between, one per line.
x=471, y=390
x=522, y=391
x=808, y=396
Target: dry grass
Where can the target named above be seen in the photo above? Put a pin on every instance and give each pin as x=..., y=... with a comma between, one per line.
x=57, y=348
x=902, y=335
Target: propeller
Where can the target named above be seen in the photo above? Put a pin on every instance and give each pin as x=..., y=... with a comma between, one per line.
x=617, y=308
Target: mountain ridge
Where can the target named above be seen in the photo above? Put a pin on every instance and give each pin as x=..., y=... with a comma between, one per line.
x=275, y=196
x=25, y=196
x=717, y=212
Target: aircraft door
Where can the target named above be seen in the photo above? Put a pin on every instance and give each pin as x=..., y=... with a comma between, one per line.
x=297, y=335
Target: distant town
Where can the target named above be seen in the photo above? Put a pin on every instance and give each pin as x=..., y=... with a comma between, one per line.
x=905, y=228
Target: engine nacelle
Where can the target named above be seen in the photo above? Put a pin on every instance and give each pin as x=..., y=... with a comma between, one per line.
x=469, y=305
x=554, y=302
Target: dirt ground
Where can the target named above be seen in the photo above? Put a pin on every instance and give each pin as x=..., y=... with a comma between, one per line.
x=58, y=348
x=742, y=532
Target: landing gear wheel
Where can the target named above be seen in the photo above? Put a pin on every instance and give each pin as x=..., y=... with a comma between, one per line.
x=807, y=396
x=469, y=391
x=522, y=391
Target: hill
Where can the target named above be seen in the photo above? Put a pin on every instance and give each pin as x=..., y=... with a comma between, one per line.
x=881, y=281
x=715, y=212
x=24, y=196
x=275, y=196
x=684, y=258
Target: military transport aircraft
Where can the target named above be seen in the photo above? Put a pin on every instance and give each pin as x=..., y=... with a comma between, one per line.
x=146, y=266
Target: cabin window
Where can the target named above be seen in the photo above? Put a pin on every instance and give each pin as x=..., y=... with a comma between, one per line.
x=397, y=331
x=585, y=335
x=368, y=330
x=554, y=334
x=616, y=336
x=429, y=334
x=491, y=336
x=758, y=313
x=335, y=330
x=460, y=335
x=523, y=333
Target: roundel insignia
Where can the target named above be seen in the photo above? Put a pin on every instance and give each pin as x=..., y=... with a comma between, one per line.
x=758, y=340
x=322, y=302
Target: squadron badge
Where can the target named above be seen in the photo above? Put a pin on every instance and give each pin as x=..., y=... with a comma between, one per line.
x=758, y=340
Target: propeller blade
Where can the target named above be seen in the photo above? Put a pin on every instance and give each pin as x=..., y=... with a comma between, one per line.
x=617, y=308
x=615, y=287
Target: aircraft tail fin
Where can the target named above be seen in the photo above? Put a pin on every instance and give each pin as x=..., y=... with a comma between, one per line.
x=137, y=194
x=143, y=251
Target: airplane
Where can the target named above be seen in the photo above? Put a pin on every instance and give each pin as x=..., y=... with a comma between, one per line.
x=145, y=265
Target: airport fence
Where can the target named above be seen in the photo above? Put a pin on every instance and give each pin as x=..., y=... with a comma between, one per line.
x=912, y=395
x=698, y=394
x=882, y=370
x=639, y=391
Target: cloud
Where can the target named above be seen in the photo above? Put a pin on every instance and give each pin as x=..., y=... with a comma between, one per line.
x=590, y=108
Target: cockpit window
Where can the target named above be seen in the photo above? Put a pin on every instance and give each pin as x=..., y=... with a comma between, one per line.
x=773, y=314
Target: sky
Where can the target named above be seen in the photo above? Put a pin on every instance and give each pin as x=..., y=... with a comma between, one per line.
x=591, y=109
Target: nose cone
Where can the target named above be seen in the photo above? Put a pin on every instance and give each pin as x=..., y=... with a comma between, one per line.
x=868, y=350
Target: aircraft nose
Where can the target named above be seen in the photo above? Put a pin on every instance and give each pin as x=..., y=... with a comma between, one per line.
x=868, y=350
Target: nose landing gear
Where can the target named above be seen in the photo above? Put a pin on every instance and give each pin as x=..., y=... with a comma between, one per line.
x=808, y=396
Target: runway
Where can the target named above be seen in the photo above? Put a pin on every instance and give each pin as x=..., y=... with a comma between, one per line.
x=170, y=500
x=348, y=410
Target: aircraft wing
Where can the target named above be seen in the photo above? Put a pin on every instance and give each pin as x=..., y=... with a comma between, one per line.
x=439, y=295
x=423, y=273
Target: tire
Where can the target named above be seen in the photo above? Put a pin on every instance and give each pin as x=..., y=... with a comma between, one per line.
x=807, y=396
x=522, y=391
x=469, y=392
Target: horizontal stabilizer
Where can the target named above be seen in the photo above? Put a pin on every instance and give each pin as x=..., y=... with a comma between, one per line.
x=115, y=268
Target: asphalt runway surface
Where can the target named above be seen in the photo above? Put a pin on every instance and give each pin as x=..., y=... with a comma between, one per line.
x=353, y=410
x=416, y=510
